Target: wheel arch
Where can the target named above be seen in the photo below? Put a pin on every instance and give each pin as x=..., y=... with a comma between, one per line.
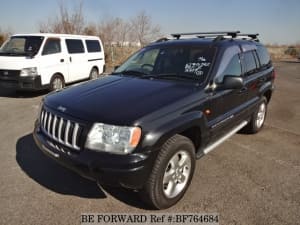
x=58, y=74
x=192, y=126
x=268, y=95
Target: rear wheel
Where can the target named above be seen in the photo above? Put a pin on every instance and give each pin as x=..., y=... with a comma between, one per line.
x=57, y=83
x=94, y=74
x=171, y=174
x=258, y=118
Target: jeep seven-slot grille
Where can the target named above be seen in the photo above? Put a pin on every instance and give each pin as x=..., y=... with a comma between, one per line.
x=61, y=130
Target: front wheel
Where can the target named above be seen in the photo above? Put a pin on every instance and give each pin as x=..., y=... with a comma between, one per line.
x=171, y=174
x=57, y=82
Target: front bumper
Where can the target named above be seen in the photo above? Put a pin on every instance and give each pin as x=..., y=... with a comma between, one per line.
x=22, y=83
x=129, y=171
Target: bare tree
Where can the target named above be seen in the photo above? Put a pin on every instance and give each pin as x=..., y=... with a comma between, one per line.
x=69, y=22
x=114, y=31
x=144, y=30
x=91, y=29
x=4, y=35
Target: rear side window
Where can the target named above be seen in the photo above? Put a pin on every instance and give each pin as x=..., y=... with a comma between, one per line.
x=52, y=46
x=93, y=46
x=263, y=55
x=250, y=63
x=74, y=46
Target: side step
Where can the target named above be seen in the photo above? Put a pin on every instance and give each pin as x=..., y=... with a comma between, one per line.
x=211, y=147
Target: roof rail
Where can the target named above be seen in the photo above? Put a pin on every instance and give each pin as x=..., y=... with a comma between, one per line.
x=201, y=34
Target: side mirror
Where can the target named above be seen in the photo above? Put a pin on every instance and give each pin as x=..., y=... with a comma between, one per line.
x=231, y=82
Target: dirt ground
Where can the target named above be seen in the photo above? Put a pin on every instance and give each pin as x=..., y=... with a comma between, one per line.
x=250, y=179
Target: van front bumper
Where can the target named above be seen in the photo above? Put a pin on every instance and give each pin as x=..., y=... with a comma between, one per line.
x=22, y=83
x=129, y=171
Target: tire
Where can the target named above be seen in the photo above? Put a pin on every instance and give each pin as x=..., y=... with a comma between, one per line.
x=57, y=83
x=94, y=74
x=258, y=118
x=171, y=174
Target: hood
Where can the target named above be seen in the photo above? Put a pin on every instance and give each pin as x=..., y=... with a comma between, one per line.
x=117, y=100
x=15, y=62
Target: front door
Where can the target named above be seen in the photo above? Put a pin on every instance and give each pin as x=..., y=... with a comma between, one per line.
x=226, y=105
x=52, y=60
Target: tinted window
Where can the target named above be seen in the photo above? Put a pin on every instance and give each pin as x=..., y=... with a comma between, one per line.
x=179, y=62
x=250, y=64
x=22, y=45
x=233, y=68
x=264, y=56
x=52, y=46
x=74, y=46
x=93, y=46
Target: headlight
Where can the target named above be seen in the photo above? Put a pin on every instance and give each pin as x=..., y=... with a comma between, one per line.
x=30, y=71
x=114, y=139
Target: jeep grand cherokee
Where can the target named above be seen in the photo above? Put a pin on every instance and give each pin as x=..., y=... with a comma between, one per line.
x=170, y=103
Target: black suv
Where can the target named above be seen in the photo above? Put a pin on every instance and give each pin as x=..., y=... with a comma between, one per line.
x=170, y=103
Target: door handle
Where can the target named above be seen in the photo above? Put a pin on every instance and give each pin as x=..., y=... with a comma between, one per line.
x=263, y=79
x=62, y=60
x=243, y=89
x=70, y=59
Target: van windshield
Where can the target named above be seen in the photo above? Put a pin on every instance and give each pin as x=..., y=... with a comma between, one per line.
x=22, y=46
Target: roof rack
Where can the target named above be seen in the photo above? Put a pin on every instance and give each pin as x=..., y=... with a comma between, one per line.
x=162, y=39
x=233, y=34
x=252, y=36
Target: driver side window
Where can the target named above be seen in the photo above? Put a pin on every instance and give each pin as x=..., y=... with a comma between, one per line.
x=149, y=57
x=145, y=61
x=233, y=68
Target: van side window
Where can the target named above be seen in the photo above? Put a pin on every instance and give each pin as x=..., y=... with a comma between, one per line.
x=93, y=46
x=52, y=46
x=250, y=63
x=74, y=46
x=233, y=69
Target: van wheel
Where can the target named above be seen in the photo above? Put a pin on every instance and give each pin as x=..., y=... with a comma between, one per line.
x=94, y=74
x=57, y=83
x=258, y=118
x=171, y=174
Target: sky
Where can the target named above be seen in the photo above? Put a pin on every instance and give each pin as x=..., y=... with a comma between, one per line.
x=277, y=21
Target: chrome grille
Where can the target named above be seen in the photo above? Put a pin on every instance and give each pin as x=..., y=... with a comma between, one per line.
x=61, y=130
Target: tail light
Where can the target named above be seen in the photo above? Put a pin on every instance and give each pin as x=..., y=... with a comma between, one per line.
x=274, y=75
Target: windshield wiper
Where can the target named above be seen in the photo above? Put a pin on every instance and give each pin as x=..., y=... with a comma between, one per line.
x=130, y=72
x=13, y=53
x=171, y=75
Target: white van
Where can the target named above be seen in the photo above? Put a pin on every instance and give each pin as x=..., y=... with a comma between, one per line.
x=41, y=61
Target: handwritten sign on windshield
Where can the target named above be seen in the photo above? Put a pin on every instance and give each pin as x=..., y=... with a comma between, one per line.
x=197, y=67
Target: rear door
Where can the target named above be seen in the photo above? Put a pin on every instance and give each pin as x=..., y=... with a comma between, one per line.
x=258, y=69
x=78, y=64
x=95, y=55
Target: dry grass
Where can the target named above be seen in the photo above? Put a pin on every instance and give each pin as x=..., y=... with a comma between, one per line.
x=278, y=52
x=115, y=55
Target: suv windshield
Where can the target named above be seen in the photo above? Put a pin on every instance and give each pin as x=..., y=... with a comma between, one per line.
x=22, y=45
x=170, y=62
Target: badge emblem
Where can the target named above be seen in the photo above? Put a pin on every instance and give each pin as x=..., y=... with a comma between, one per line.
x=61, y=108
